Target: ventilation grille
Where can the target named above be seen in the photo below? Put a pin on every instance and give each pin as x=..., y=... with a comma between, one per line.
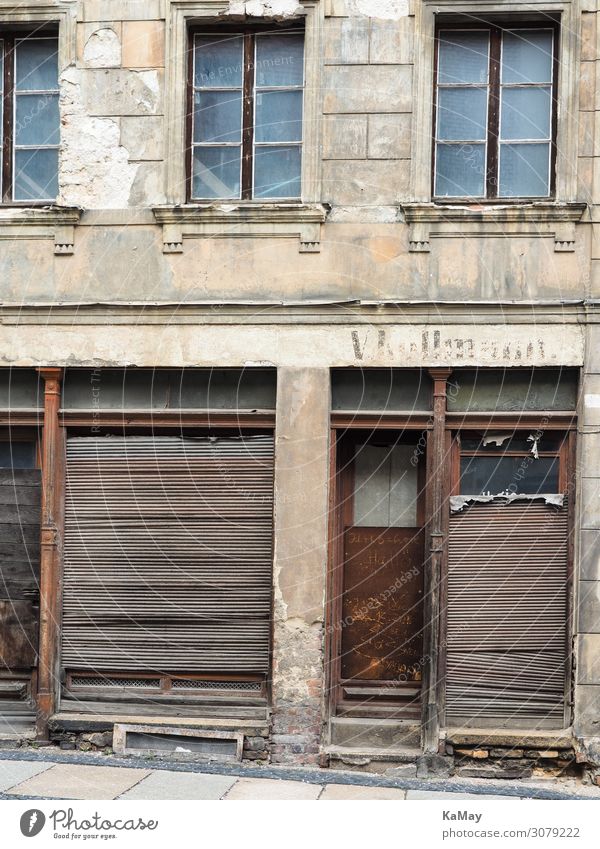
x=242, y=686
x=100, y=681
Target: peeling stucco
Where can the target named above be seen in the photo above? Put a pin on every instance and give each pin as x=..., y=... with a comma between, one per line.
x=150, y=91
x=391, y=10
x=102, y=49
x=257, y=8
x=95, y=172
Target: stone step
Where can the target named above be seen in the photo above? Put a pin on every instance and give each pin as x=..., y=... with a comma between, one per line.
x=374, y=733
x=399, y=762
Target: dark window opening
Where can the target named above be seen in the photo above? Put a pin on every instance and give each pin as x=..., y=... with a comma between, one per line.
x=17, y=455
x=499, y=464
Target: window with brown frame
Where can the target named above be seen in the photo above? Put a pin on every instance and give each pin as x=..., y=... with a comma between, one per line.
x=30, y=122
x=245, y=109
x=495, y=111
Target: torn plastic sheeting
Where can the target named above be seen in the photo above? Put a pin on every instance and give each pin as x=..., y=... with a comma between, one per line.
x=459, y=502
x=496, y=439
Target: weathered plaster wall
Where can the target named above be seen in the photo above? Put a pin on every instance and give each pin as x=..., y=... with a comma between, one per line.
x=587, y=627
x=168, y=343
x=301, y=485
x=123, y=262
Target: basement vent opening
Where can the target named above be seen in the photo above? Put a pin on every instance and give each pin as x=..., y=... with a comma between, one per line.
x=185, y=742
x=178, y=743
x=137, y=683
x=241, y=686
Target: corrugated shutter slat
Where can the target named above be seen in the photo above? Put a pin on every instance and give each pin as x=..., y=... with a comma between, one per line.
x=168, y=554
x=506, y=615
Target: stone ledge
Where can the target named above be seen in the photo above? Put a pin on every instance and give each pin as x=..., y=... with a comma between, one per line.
x=522, y=739
x=242, y=220
x=51, y=222
x=538, y=219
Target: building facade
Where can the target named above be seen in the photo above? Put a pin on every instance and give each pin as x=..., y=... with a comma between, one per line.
x=300, y=381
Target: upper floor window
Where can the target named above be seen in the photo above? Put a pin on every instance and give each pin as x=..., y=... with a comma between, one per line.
x=495, y=112
x=30, y=123
x=245, y=112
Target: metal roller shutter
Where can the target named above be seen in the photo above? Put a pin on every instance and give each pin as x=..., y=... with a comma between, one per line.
x=506, y=615
x=168, y=554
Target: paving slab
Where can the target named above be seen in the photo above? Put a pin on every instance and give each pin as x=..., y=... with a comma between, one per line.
x=72, y=781
x=439, y=794
x=14, y=772
x=349, y=791
x=180, y=785
x=267, y=789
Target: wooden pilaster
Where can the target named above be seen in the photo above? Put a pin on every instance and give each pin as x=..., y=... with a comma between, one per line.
x=52, y=472
x=436, y=475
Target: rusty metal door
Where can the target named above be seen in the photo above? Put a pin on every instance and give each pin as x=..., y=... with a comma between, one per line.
x=380, y=619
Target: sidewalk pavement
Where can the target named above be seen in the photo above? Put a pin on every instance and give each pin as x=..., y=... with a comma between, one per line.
x=58, y=775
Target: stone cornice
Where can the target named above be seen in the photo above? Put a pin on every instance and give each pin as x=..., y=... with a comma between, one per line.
x=231, y=220
x=428, y=220
x=44, y=222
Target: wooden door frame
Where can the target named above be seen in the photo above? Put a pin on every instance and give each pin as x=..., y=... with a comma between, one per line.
x=341, y=424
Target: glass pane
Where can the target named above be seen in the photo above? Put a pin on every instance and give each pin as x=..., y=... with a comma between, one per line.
x=460, y=170
x=216, y=172
x=36, y=119
x=527, y=56
x=37, y=64
x=512, y=390
x=525, y=113
x=36, y=174
x=391, y=390
x=218, y=61
x=505, y=475
x=524, y=170
x=495, y=442
x=277, y=172
x=385, y=486
x=463, y=57
x=17, y=455
x=280, y=60
x=278, y=116
x=218, y=116
x=462, y=113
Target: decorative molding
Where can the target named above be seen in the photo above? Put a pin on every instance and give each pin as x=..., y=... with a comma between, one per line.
x=428, y=220
x=278, y=220
x=51, y=222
